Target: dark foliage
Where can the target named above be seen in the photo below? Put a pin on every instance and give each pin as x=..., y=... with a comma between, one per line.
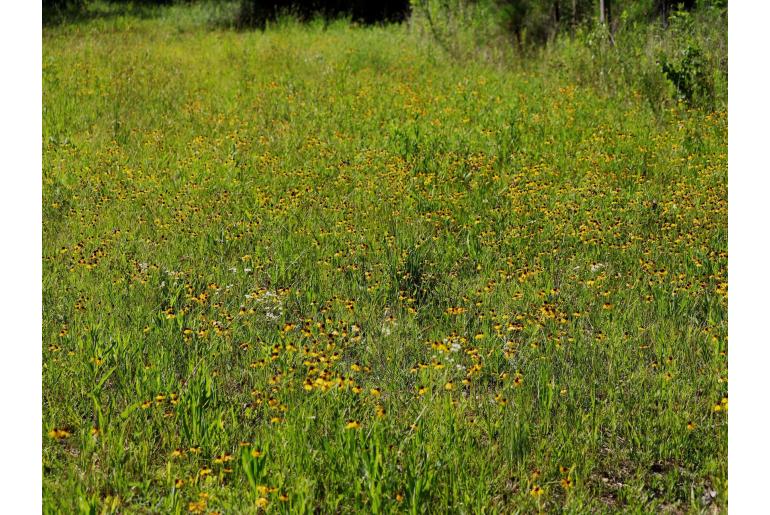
x=50, y=6
x=542, y=19
x=258, y=12
x=56, y=11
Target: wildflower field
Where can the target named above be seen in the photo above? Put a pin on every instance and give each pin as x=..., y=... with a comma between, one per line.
x=328, y=269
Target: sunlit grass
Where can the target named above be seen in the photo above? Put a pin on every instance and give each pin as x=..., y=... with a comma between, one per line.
x=327, y=269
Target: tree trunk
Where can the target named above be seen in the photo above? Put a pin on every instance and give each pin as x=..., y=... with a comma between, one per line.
x=556, y=12
x=605, y=11
x=663, y=7
x=574, y=14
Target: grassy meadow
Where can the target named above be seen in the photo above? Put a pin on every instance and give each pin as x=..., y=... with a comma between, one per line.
x=329, y=269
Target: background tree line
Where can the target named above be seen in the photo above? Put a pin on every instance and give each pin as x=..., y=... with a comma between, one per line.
x=540, y=17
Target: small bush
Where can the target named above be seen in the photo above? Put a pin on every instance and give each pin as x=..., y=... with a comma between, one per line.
x=688, y=75
x=687, y=65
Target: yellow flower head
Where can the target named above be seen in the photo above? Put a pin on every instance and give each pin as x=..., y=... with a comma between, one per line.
x=59, y=434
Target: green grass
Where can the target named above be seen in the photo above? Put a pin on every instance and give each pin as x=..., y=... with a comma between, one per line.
x=244, y=234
